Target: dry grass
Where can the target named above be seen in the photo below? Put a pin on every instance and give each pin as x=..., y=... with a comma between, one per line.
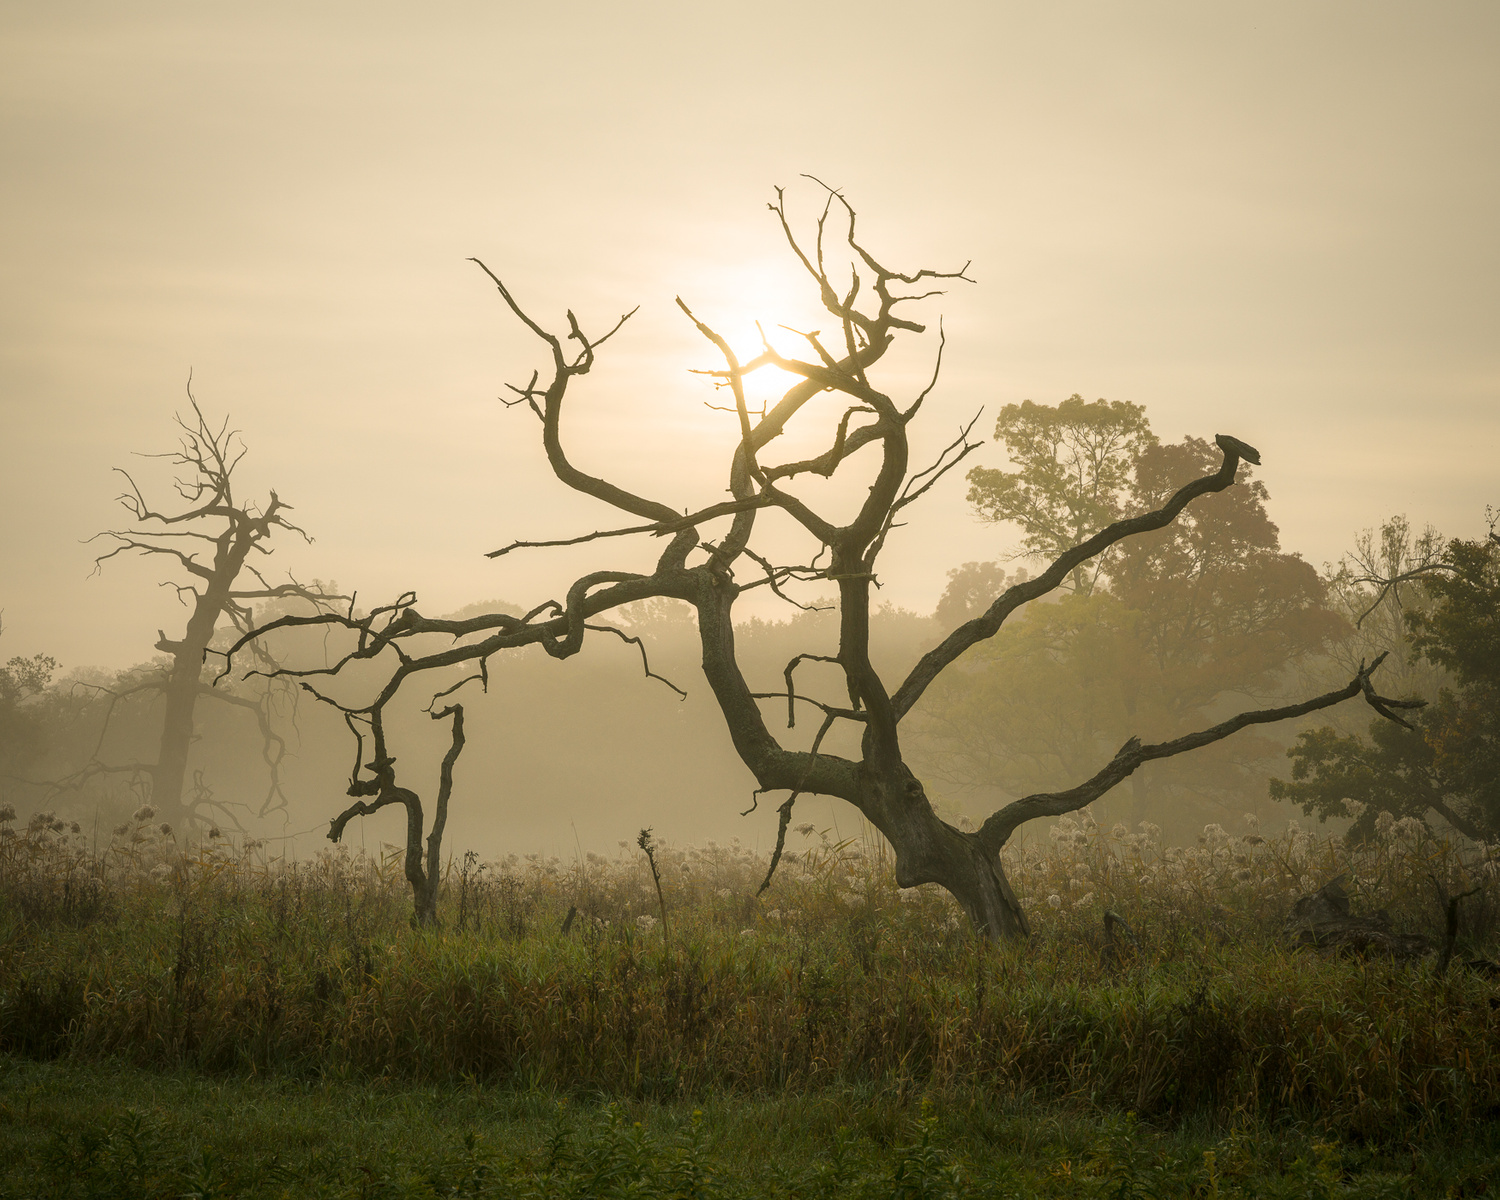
x=222, y=959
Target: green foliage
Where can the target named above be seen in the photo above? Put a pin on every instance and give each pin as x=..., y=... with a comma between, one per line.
x=1448, y=763
x=1204, y=613
x=1376, y=587
x=101, y=1130
x=971, y=589
x=1073, y=468
x=1039, y=705
x=24, y=733
x=1462, y=630
x=1221, y=605
x=24, y=677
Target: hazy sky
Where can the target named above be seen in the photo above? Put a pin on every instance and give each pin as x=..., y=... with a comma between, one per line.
x=1273, y=220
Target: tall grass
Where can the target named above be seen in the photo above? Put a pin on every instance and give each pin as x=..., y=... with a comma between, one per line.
x=218, y=957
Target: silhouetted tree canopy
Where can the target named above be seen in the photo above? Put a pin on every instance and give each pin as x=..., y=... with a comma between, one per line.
x=1447, y=763
x=24, y=733
x=1073, y=474
x=1176, y=624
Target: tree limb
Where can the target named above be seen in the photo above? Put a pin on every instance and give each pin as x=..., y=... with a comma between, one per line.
x=988, y=624
x=996, y=830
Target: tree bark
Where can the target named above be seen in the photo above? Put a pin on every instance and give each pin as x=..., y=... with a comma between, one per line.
x=183, y=681
x=424, y=881
x=929, y=850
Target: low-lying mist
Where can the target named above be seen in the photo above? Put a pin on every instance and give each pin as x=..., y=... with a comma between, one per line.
x=577, y=756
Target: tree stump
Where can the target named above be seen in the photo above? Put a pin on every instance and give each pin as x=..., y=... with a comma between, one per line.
x=1322, y=920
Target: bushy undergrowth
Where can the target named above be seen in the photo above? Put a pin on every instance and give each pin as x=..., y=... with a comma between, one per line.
x=221, y=959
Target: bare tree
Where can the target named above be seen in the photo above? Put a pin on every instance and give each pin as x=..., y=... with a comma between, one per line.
x=212, y=539
x=712, y=572
x=423, y=877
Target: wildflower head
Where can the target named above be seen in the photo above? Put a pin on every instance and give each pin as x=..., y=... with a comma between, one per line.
x=143, y=814
x=1409, y=829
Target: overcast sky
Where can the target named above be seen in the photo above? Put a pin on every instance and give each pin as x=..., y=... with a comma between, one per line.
x=1271, y=220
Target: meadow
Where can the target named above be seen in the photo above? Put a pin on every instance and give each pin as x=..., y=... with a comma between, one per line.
x=213, y=1020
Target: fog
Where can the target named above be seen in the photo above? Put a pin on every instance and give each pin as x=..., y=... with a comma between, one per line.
x=1273, y=222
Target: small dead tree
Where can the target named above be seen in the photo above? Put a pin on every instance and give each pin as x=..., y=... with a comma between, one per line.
x=710, y=561
x=382, y=785
x=213, y=538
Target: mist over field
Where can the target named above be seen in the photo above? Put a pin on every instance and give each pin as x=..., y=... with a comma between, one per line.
x=1274, y=225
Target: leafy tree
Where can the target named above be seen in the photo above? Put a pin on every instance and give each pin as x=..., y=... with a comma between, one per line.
x=709, y=561
x=1222, y=610
x=24, y=733
x=1073, y=473
x=1184, y=620
x=1037, y=705
x=970, y=589
x=1446, y=760
x=1375, y=587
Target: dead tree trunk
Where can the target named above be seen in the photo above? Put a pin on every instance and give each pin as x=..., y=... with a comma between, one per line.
x=930, y=850
x=382, y=785
x=184, y=681
x=709, y=561
x=235, y=531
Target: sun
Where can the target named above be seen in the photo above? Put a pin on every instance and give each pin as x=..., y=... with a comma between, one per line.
x=758, y=299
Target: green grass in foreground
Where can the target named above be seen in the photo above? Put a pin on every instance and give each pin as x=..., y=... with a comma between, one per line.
x=73, y=1130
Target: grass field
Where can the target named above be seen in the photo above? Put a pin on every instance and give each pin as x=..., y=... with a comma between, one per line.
x=213, y=1023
